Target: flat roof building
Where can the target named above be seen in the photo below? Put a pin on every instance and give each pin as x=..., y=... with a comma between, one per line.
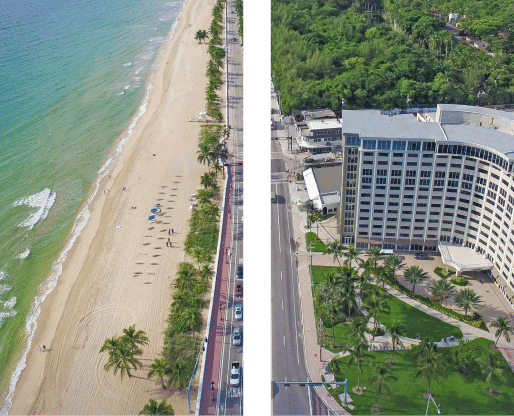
x=413, y=181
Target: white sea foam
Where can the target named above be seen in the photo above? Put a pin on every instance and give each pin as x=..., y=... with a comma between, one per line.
x=23, y=255
x=80, y=222
x=42, y=200
x=127, y=64
x=9, y=304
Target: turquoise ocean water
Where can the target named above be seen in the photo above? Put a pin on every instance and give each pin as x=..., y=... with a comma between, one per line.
x=75, y=76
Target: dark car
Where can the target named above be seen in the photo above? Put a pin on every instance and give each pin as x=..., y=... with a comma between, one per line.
x=421, y=256
x=239, y=273
x=239, y=290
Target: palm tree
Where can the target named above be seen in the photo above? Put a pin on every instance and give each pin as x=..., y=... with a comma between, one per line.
x=414, y=275
x=431, y=366
x=134, y=338
x=203, y=154
x=208, y=181
x=206, y=273
x=358, y=355
x=380, y=380
x=201, y=35
x=374, y=254
x=335, y=365
x=154, y=408
x=349, y=296
x=393, y=264
x=503, y=328
x=467, y=299
x=158, y=368
x=492, y=368
x=376, y=306
x=110, y=344
x=199, y=255
x=351, y=254
x=396, y=330
x=178, y=372
x=316, y=216
x=380, y=274
x=333, y=277
x=442, y=290
x=358, y=327
x=186, y=276
x=123, y=358
x=335, y=248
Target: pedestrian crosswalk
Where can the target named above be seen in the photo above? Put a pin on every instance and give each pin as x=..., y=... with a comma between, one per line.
x=234, y=392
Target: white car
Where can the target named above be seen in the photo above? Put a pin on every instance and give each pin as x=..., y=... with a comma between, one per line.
x=238, y=312
x=237, y=337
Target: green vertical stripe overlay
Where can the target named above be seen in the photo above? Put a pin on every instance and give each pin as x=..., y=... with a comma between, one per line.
x=256, y=236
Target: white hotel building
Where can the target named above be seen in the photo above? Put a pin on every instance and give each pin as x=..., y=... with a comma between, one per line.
x=414, y=181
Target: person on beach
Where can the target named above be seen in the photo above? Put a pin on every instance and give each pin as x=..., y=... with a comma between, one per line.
x=44, y=348
x=169, y=231
x=172, y=231
x=39, y=348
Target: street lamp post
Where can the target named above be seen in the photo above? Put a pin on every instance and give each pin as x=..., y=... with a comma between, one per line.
x=311, y=255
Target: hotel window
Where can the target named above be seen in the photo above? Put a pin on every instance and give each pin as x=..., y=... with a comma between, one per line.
x=368, y=172
x=414, y=146
x=369, y=144
x=382, y=181
x=410, y=181
x=384, y=145
x=425, y=174
x=399, y=145
x=410, y=173
x=430, y=146
x=440, y=174
x=381, y=172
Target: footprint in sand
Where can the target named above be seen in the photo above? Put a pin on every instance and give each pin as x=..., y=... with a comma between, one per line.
x=146, y=244
x=139, y=262
x=154, y=264
x=156, y=255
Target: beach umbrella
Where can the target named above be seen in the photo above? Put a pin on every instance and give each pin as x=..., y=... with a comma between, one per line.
x=151, y=217
x=153, y=210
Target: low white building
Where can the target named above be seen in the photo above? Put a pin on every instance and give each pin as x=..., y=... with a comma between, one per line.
x=319, y=132
x=323, y=186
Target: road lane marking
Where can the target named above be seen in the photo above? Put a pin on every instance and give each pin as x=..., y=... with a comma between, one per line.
x=284, y=340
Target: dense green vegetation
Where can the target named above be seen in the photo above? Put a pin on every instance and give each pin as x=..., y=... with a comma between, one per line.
x=458, y=390
x=323, y=51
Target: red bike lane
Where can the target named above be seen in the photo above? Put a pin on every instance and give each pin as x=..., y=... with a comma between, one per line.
x=215, y=336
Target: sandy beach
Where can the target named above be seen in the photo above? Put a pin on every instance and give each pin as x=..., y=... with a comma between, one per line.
x=120, y=270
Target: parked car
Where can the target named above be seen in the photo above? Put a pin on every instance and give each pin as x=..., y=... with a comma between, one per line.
x=386, y=252
x=239, y=290
x=238, y=312
x=421, y=256
x=237, y=337
x=235, y=374
x=239, y=273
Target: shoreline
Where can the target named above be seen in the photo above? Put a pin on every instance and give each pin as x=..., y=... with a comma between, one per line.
x=89, y=250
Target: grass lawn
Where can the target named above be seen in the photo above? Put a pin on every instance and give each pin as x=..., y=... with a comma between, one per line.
x=456, y=394
x=418, y=323
x=319, y=247
x=318, y=273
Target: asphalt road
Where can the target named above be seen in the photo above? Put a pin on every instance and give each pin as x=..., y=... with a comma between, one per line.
x=288, y=362
x=230, y=399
